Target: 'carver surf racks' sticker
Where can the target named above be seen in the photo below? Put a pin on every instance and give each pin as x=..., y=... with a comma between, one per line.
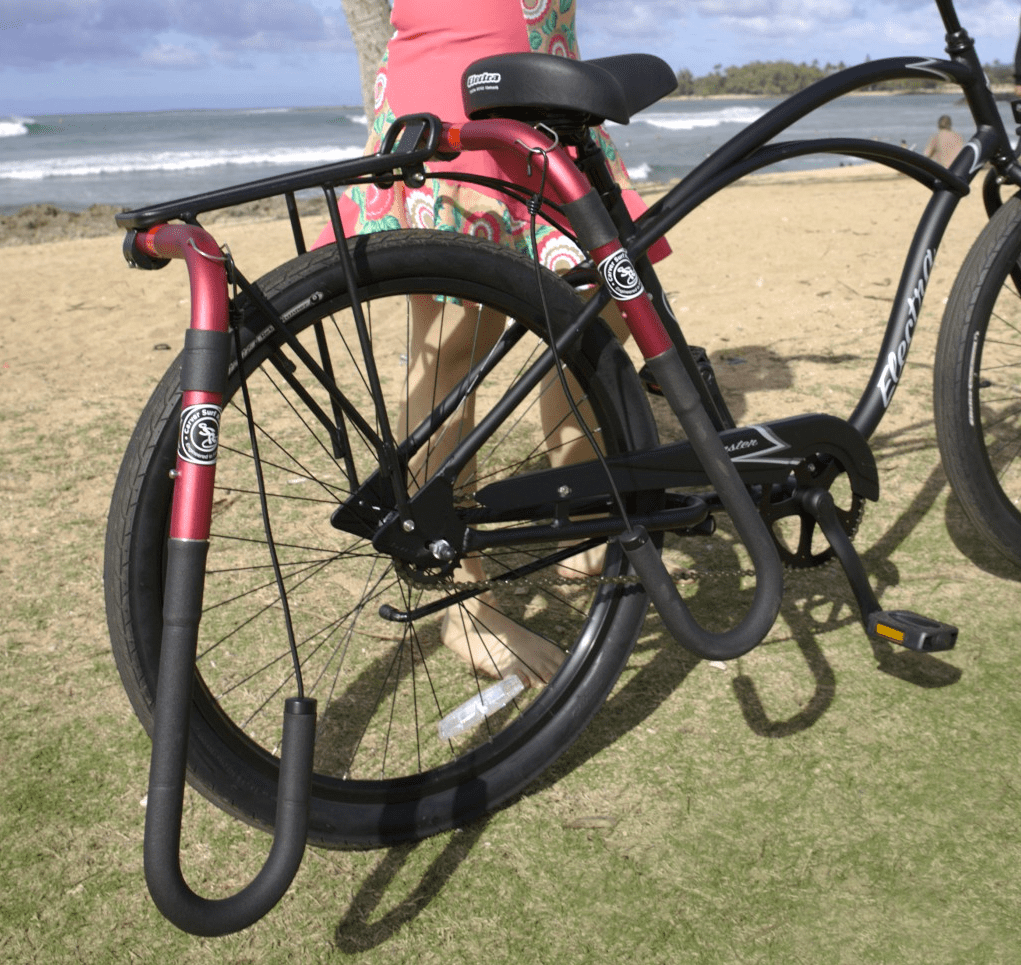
x=200, y=430
x=621, y=276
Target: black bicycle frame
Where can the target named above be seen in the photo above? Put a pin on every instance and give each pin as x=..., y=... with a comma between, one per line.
x=751, y=150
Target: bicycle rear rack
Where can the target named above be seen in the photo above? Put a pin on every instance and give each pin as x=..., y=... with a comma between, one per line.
x=409, y=143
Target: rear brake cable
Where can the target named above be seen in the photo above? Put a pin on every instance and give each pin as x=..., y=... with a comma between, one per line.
x=235, y=325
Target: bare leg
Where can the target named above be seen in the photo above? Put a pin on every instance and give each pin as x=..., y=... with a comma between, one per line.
x=446, y=340
x=491, y=642
x=568, y=444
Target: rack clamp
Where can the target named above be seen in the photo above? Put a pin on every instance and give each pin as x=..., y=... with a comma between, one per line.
x=411, y=134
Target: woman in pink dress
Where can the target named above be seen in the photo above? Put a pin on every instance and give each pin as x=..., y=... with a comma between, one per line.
x=433, y=42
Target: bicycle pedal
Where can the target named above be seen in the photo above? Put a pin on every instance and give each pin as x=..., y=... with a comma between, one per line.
x=912, y=630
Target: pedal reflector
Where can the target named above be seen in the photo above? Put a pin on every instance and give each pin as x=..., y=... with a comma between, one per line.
x=912, y=630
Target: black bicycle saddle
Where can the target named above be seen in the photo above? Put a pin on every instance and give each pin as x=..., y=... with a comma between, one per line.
x=535, y=87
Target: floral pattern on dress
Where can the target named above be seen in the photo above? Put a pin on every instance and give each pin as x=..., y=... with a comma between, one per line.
x=446, y=205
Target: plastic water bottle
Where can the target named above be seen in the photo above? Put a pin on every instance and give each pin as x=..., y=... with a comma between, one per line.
x=472, y=712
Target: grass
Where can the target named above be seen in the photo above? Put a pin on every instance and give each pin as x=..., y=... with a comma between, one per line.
x=820, y=800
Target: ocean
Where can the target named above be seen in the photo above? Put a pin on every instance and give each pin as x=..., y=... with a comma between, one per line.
x=130, y=159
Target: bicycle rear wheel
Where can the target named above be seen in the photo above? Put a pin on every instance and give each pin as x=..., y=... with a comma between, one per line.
x=977, y=383
x=383, y=773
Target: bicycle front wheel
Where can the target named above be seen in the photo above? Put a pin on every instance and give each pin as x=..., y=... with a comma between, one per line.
x=977, y=387
x=394, y=761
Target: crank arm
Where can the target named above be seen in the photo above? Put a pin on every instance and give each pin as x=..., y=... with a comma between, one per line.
x=903, y=627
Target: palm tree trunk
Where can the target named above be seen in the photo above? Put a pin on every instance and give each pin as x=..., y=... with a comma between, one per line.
x=369, y=23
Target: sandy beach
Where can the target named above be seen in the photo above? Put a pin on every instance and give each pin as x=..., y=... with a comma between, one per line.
x=786, y=280
x=781, y=265
x=850, y=785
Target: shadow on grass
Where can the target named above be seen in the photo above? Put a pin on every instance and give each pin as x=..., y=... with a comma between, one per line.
x=968, y=541
x=668, y=668
x=355, y=933
x=632, y=704
x=626, y=709
x=804, y=632
x=644, y=693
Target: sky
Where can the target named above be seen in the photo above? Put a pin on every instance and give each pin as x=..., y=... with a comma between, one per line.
x=68, y=56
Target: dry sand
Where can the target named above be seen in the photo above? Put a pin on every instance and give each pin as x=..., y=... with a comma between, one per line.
x=787, y=280
x=782, y=264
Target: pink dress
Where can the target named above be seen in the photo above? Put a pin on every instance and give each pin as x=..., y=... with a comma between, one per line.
x=434, y=40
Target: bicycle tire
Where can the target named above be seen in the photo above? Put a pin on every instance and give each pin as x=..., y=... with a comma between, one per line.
x=368, y=789
x=977, y=383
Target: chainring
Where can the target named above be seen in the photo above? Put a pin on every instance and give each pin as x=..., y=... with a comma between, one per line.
x=780, y=502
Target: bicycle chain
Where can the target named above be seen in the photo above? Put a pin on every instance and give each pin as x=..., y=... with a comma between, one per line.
x=686, y=575
x=480, y=585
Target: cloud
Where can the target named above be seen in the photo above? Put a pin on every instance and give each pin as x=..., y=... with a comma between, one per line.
x=292, y=21
x=167, y=34
x=839, y=26
x=173, y=57
x=56, y=30
x=247, y=34
x=777, y=18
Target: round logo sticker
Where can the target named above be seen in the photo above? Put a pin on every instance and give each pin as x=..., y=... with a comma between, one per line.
x=200, y=428
x=621, y=277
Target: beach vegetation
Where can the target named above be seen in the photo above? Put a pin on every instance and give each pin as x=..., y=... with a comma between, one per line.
x=775, y=78
x=781, y=78
x=1000, y=74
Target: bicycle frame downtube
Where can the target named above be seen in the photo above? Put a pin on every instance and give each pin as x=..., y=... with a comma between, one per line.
x=203, y=384
x=907, y=305
x=749, y=152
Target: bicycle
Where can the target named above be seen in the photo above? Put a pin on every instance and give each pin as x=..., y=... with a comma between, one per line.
x=272, y=492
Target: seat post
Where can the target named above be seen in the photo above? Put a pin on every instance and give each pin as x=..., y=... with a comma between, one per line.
x=592, y=163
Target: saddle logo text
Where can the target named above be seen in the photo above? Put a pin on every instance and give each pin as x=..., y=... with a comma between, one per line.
x=200, y=431
x=487, y=80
